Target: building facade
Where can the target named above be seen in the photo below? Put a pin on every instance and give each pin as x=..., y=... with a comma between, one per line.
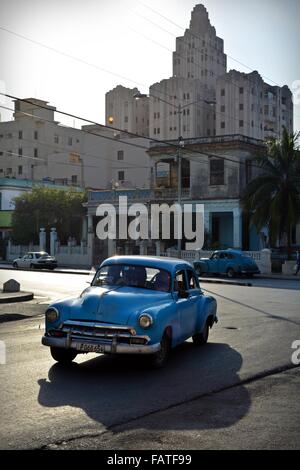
x=125, y=111
x=34, y=146
x=245, y=104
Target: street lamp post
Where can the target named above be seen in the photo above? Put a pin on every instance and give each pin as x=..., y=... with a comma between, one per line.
x=180, y=143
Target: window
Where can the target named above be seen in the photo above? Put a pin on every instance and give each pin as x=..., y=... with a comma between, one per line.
x=241, y=89
x=223, y=125
x=158, y=130
x=241, y=107
x=222, y=109
x=74, y=179
x=121, y=175
x=35, y=135
x=120, y=154
x=9, y=171
x=223, y=92
x=20, y=170
x=192, y=281
x=36, y=153
x=180, y=282
x=266, y=109
x=56, y=139
x=20, y=134
x=70, y=140
x=126, y=119
x=241, y=123
x=20, y=151
x=216, y=172
x=9, y=135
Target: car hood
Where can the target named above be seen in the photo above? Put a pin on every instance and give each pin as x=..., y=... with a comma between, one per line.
x=114, y=305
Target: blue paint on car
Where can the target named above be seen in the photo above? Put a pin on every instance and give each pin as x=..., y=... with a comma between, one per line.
x=135, y=305
x=230, y=262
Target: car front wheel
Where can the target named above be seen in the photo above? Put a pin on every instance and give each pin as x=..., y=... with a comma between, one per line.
x=63, y=356
x=160, y=358
x=15, y=265
x=230, y=273
x=199, y=339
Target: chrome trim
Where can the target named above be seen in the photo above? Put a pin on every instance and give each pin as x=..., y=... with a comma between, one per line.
x=148, y=316
x=119, y=348
x=55, y=310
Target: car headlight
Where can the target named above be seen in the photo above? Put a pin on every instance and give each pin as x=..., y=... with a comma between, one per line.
x=52, y=314
x=145, y=320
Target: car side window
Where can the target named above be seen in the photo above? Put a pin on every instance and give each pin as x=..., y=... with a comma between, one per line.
x=30, y=256
x=179, y=281
x=192, y=281
x=215, y=256
x=230, y=256
x=223, y=256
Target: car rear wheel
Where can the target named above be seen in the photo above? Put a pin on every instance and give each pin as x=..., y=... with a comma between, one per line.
x=32, y=266
x=230, y=273
x=63, y=356
x=15, y=265
x=199, y=339
x=160, y=358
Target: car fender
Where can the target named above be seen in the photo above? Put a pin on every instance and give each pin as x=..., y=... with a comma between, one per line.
x=164, y=316
x=207, y=307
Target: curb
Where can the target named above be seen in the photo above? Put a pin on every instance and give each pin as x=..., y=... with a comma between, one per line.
x=23, y=297
x=48, y=271
x=230, y=283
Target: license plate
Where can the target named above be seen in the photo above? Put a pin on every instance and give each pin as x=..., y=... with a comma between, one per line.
x=97, y=348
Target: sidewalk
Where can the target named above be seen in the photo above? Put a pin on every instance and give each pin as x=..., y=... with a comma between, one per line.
x=10, y=297
x=20, y=310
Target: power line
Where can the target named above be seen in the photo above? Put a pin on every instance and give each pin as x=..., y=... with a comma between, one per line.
x=163, y=143
x=120, y=167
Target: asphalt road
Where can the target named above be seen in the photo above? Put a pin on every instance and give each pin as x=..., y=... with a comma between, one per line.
x=236, y=392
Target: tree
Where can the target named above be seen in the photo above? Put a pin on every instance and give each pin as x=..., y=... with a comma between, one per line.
x=273, y=197
x=47, y=207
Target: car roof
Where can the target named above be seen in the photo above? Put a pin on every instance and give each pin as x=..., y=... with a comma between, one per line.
x=162, y=262
x=37, y=252
x=229, y=250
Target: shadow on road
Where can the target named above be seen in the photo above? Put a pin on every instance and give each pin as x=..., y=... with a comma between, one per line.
x=113, y=390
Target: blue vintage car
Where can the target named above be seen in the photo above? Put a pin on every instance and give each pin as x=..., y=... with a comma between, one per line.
x=134, y=305
x=230, y=262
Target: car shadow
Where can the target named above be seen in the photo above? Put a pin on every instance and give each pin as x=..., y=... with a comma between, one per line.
x=113, y=390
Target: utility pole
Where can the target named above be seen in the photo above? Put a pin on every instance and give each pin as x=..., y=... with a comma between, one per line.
x=179, y=111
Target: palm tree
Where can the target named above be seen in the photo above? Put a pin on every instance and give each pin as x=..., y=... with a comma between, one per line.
x=273, y=197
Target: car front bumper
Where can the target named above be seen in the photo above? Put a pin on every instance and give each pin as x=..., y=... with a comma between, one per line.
x=112, y=347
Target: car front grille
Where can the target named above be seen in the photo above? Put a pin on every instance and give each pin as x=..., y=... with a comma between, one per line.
x=98, y=331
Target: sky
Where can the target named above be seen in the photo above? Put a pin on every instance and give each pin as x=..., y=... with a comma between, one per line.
x=126, y=42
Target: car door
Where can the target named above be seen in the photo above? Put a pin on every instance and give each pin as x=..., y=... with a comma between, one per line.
x=22, y=261
x=223, y=261
x=186, y=307
x=214, y=263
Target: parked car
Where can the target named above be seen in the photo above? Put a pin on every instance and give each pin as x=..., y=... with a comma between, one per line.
x=134, y=305
x=230, y=262
x=36, y=260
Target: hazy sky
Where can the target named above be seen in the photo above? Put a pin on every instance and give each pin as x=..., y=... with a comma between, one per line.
x=125, y=37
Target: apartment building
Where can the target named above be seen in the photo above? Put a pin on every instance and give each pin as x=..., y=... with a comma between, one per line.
x=125, y=110
x=34, y=146
x=199, y=52
x=246, y=105
x=181, y=106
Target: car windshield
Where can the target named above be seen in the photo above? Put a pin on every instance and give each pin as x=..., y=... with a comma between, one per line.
x=143, y=277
